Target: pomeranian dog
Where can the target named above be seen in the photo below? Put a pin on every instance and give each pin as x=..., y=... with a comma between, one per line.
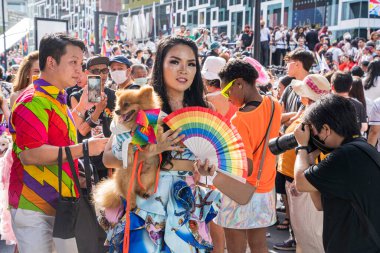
x=108, y=192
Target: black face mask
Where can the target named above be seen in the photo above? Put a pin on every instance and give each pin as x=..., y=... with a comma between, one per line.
x=320, y=144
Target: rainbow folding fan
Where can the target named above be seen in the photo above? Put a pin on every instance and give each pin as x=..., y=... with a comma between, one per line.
x=209, y=135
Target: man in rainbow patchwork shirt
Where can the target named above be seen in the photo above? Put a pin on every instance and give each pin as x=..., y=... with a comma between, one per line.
x=42, y=123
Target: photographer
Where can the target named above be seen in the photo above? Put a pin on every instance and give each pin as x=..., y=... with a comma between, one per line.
x=345, y=184
x=306, y=221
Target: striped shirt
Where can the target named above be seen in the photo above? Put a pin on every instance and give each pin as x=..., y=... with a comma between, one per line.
x=40, y=116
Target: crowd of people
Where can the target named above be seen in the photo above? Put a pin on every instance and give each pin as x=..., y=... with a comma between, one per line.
x=328, y=101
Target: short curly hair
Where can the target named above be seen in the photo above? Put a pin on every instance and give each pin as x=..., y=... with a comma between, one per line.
x=238, y=69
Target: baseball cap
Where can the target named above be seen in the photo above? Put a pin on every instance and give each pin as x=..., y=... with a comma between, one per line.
x=121, y=59
x=313, y=86
x=96, y=60
x=212, y=66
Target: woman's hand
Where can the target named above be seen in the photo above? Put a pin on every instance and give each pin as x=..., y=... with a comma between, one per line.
x=167, y=141
x=204, y=169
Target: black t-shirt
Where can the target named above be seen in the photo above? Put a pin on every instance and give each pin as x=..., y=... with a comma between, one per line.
x=360, y=111
x=247, y=39
x=347, y=175
x=70, y=91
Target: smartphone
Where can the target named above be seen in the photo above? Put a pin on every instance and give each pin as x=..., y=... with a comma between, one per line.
x=94, y=84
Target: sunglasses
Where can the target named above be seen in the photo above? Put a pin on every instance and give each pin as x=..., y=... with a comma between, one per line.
x=98, y=71
x=225, y=92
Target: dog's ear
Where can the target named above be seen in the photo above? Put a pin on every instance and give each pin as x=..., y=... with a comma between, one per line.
x=146, y=92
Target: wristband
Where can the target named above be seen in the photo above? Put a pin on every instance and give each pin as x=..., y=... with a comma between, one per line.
x=91, y=123
x=300, y=148
x=85, y=147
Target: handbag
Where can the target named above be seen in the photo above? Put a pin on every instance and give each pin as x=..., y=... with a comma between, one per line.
x=89, y=234
x=240, y=192
x=66, y=211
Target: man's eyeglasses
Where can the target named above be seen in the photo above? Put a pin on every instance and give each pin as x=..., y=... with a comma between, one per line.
x=225, y=92
x=98, y=71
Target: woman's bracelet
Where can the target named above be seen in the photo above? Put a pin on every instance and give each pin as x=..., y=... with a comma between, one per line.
x=80, y=115
x=91, y=123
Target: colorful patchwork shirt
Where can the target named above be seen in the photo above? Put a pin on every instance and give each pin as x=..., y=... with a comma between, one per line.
x=40, y=116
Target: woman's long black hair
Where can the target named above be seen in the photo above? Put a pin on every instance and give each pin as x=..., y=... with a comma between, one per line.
x=194, y=96
x=373, y=73
x=357, y=92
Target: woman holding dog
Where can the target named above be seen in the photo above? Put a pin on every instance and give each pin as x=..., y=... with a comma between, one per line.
x=174, y=218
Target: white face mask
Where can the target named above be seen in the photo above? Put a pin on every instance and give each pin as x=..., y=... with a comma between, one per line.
x=146, y=56
x=119, y=76
x=141, y=81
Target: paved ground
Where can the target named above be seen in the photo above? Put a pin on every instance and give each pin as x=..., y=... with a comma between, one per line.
x=276, y=236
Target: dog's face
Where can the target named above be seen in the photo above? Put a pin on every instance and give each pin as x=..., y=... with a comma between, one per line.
x=129, y=102
x=5, y=144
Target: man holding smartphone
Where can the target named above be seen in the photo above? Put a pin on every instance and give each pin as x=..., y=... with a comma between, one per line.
x=94, y=117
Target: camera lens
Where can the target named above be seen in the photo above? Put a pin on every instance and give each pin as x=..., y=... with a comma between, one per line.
x=283, y=143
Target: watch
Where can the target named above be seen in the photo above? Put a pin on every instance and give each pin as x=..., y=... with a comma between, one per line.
x=300, y=148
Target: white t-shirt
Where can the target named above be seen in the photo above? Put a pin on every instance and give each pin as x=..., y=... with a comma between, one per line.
x=279, y=38
x=374, y=92
x=374, y=117
x=264, y=34
x=336, y=52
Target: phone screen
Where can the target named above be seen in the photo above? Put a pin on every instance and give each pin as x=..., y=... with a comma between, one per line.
x=94, y=89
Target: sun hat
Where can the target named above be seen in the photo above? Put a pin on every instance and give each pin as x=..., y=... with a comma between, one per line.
x=212, y=66
x=313, y=87
x=263, y=78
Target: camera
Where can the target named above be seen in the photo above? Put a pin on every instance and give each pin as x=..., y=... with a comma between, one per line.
x=288, y=141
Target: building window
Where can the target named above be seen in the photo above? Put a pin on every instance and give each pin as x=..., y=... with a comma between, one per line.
x=235, y=2
x=247, y=18
x=203, y=2
x=178, y=20
x=202, y=18
x=352, y=10
x=208, y=17
x=183, y=18
x=195, y=17
x=214, y=15
x=221, y=3
x=180, y=4
x=190, y=18
x=192, y=3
